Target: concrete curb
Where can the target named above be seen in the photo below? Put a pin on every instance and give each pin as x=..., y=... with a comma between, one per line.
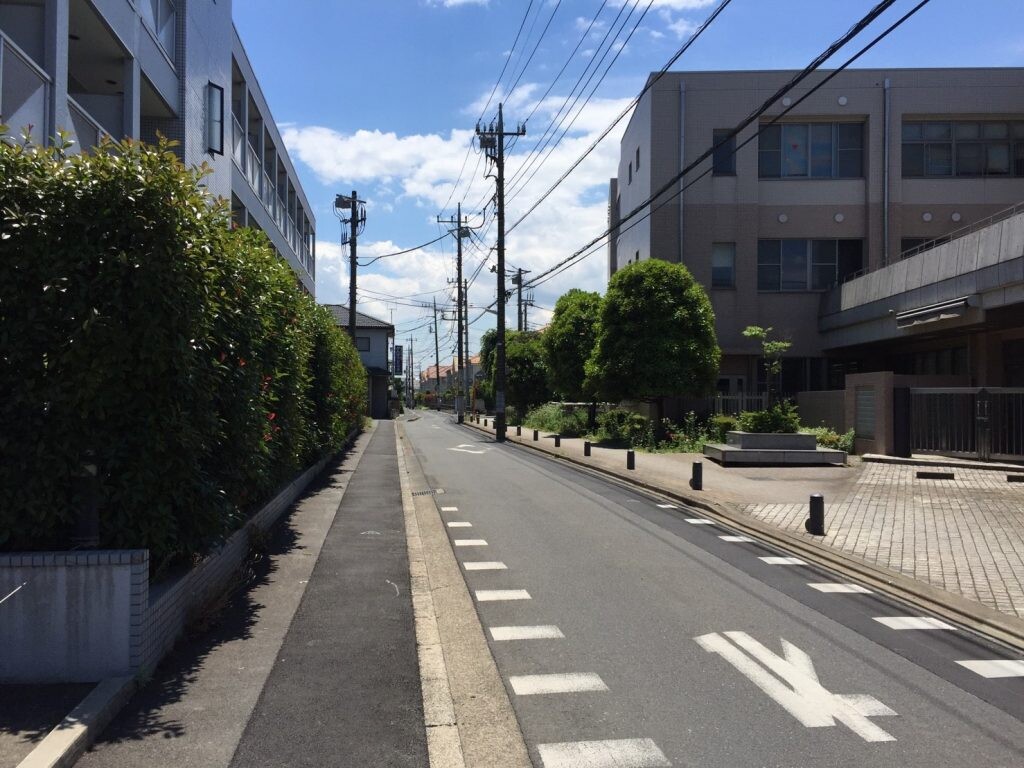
x=943, y=462
x=69, y=740
x=65, y=744
x=968, y=613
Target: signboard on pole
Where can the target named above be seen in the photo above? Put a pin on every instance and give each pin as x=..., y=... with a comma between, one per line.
x=397, y=367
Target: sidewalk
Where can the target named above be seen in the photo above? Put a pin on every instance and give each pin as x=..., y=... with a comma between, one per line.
x=964, y=536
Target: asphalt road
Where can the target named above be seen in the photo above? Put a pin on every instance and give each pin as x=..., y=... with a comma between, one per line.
x=654, y=641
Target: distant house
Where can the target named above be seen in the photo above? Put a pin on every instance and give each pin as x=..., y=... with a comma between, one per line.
x=373, y=341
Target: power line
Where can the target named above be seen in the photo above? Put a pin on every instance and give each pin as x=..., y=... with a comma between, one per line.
x=629, y=108
x=580, y=254
x=536, y=45
x=399, y=253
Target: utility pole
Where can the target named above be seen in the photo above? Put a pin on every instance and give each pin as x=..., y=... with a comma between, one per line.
x=465, y=316
x=411, y=397
x=437, y=363
x=356, y=221
x=460, y=391
x=517, y=280
x=492, y=141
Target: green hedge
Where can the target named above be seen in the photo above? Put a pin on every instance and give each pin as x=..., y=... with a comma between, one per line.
x=140, y=333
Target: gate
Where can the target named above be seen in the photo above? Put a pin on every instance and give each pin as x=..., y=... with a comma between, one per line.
x=979, y=423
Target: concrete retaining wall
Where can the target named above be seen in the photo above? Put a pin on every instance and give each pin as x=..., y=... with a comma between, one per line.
x=84, y=616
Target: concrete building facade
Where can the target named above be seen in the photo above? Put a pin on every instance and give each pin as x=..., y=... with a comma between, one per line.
x=863, y=172
x=139, y=68
x=375, y=344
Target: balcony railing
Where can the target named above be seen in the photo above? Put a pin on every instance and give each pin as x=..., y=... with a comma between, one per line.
x=161, y=16
x=236, y=142
x=88, y=132
x=24, y=88
x=253, y=167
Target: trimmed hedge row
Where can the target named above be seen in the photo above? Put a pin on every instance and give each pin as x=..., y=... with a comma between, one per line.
x=139, y=333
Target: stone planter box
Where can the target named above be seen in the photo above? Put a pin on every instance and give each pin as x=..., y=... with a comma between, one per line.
x=776, y=441
x=84, y=616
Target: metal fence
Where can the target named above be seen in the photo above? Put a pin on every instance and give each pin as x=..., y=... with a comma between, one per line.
x=981, y=423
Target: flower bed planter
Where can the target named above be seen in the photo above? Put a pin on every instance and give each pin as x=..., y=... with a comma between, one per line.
x=771, y=448
x=777, y=441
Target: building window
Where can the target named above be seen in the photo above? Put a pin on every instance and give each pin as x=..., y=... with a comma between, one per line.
x=363, y=343
x=214, y=119
x=806, y=265
x=724, y=158
x=946, y=149
x=723, y=265
x=638, y=158
x=631, y=173
x=811, y=151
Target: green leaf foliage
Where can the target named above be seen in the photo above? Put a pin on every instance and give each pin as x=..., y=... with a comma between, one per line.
x=781, y=417
x=569, y=341
x=526, y=375
x=141, y=334
x=656, y=337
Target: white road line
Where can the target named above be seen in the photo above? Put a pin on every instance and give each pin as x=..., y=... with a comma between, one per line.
x=575, y=682
x=995, y=667
x=526, y=633
x=735, y=538
x=493, y=595
x=912, y=622
x=485, y=565
x=660, y=506
x=614, y=753
x=840, y=587
x=782, y=560
x=449, y=509
x=460, y=524
x=699, y=521
x=469, y=543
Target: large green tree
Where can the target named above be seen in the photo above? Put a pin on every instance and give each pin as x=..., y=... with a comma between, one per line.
x=569, y=342
x=526, y=371
x=657, y=336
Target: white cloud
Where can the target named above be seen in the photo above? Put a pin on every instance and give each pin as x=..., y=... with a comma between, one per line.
x=456, y=3
x=675, y=5
x=423, y=168
x=679, y=26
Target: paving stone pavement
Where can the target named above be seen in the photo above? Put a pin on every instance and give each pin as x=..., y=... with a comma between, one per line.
x=964, y=535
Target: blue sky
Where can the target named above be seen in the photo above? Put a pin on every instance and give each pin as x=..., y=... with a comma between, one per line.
x=382, y=96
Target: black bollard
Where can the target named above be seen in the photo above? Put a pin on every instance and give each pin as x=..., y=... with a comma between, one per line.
x=630, y=460
x=485, y=422
x=519, y=431
x=558, y=441
x=815, y=524
x=535, y=435
x=697, y=476
x=586, y=447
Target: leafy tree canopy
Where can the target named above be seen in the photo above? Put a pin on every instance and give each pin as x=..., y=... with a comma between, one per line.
x=569, y=342
x=657, y=335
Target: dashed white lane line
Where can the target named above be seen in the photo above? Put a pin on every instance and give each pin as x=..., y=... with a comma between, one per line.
x=735, y=538
x=912, y=622
x=995, y=667
x=660, y=506
x=614, y=753
x=782, y=560
x=449, y=509
x=485, y=565
x=573, y=682
x=527, y=633
x=469, y=542
x=493, y=595
x=460, y=524
x=699, y=521
x=840, y=588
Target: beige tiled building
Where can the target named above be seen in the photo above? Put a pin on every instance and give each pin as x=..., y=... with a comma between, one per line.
x=867, y=168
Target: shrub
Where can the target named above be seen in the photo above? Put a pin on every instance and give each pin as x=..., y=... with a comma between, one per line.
x=621, y=425
x=828, y=438
x=781, y=417
x=553, y=417
x=722, y=423
x=689, y=435
x=140, y=334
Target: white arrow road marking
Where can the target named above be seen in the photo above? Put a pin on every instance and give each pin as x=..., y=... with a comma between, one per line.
x=468, y=448
x=805, y=698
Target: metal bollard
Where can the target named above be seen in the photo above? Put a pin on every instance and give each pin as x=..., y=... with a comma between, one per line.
x=535, y=435
x=519, y=431
x=630, y=460
x=815, y=524
x=485, y=422
x=558, y=441
x=586, y=447
x=697, y=476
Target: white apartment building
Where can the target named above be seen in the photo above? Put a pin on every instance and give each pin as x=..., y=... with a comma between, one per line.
x=139, y=68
